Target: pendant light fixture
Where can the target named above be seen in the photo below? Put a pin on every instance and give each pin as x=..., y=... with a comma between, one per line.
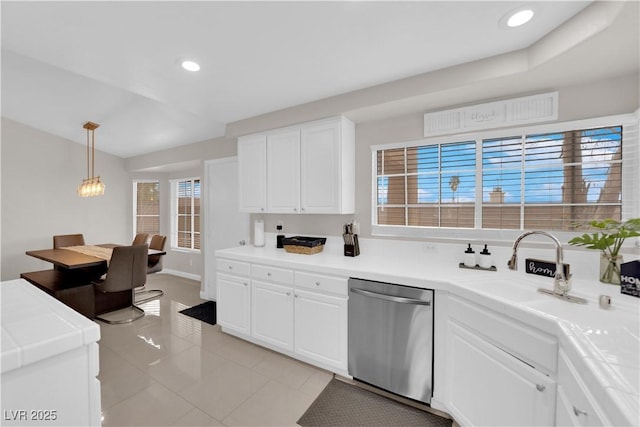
x=92, y=185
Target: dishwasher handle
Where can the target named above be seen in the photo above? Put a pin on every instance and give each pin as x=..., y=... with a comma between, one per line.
x=392, y=298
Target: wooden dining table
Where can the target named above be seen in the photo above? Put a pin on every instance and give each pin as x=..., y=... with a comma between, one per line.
x=70, y=281
x=73, y=259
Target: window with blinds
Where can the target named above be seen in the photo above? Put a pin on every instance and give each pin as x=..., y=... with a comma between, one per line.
x=187, y=210
x=147, y=216
x=429, y=185
x=550, y=181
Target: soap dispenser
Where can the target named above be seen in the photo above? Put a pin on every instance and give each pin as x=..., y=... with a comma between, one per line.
x=469, y=257
x=484, y=259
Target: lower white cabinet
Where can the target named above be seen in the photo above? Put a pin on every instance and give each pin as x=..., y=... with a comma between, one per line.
x=321, y=328
x=575, y=405
x=233, y=303
x=272, y=314
x=305, y=317
x=488, y=386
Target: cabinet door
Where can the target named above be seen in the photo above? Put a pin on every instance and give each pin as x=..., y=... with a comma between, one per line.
x=576, y=404
x=321, y=168
x=252, y=173
x=488, y=386
x=272, y=314
x=321, y=328
x=233, y=303
x=283, y=172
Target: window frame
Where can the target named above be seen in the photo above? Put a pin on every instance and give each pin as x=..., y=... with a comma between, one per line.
x=630, y=178
x=135, y=183
x=174, y=214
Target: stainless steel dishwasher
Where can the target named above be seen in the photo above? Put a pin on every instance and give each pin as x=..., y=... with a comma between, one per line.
x=391, y=337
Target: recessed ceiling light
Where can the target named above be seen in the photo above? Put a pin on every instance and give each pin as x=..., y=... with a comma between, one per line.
x=190, y=65
x=520, y=17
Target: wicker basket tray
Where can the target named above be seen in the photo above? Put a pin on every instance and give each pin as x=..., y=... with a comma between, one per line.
x=304, y=245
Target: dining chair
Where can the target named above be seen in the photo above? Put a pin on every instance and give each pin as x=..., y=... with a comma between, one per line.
x=63, y=240
x=140, y=239
x=154, y=264
x=127, y=271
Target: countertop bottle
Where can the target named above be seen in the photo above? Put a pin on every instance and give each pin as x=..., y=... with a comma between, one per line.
x=484, y=259
x=279, y=237
x=469, y=257
x=258, y=233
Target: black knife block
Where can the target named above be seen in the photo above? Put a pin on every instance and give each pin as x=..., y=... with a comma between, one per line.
x=352, y=250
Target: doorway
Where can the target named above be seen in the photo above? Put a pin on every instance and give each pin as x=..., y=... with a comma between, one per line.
x=225, y=227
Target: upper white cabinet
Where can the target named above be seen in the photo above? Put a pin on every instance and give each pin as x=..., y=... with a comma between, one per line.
x=327, y=155
x=308, y=168
x=252, y=173
x=283, y=171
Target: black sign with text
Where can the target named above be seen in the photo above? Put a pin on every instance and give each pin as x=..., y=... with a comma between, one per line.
x=543, y=268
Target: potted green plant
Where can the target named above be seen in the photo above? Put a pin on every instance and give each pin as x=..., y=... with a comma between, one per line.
x=609, y=241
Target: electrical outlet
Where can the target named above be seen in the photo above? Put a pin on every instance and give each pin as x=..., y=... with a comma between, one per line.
x=428, y=247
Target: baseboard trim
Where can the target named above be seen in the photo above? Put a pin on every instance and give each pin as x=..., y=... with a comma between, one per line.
x=204, y=295
x=181, y=274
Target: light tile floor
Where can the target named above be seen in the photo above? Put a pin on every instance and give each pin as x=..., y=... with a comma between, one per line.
x=168, y=369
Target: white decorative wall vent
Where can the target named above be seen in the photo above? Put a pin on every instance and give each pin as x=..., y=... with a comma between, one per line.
x=511, y=112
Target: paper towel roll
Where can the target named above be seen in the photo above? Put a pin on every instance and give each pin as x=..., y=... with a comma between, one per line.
x=258, y=233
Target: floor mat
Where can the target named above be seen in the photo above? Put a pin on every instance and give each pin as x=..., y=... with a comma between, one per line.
x=342, y=404
x=205, y=312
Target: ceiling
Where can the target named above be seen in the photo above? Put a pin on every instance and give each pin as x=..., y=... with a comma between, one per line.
x=117, y=63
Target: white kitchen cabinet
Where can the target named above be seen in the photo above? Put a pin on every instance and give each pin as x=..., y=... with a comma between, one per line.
x=233, y=303
x=298, y=313
x=252, y=173
x=308, y=168
x=321, y=328
x=283, y=171
x=272, y=314
x=49, y=360
x=575, y=405
x=327, y=156
x=488, y=386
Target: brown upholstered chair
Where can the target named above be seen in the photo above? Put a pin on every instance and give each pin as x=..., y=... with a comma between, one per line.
x=127, y=271
x=63, y=240
x=140, y=239
x=154, y=263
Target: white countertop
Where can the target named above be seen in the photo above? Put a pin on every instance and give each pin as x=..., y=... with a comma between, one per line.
x=36, y=326
x=603, y=344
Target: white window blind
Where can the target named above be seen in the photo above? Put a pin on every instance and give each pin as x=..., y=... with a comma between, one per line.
x=147, y=207
x=550, y=180
x=187, y=221
x=429, y=185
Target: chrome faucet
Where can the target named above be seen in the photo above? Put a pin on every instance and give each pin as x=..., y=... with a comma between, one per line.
x=561, y=284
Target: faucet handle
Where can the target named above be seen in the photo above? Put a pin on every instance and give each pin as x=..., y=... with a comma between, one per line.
x=561, y=284
x=513, y=262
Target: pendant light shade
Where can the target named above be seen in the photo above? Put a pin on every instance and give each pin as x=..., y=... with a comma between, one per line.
x=91, y=186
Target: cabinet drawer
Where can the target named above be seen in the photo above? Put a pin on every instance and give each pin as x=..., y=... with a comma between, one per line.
x=522, y=341
x=234, y=267
x=319, y=282
x=272, y=274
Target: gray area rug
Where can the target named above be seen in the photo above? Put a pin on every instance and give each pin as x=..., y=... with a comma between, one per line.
x=342, y=404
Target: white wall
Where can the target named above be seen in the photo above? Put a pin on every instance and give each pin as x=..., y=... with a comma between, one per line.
x=144, y=167
x=596, y=99
x=40, y=175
